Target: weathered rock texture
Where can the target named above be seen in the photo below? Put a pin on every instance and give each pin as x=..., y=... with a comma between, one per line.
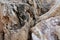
x=47, y=29
x=29, y=19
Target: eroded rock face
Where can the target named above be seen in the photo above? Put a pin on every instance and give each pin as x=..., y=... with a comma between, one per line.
x=18, y=17
x=16, y=21
x=15, y=24
x=47, y=29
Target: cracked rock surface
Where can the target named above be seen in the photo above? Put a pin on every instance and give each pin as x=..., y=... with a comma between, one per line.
x=29, y=19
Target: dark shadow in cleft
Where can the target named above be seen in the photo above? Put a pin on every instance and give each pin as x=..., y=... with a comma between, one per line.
x=58, y=24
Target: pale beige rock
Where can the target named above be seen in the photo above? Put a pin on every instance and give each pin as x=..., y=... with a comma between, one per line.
x=48, y=29
x=54, y=11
